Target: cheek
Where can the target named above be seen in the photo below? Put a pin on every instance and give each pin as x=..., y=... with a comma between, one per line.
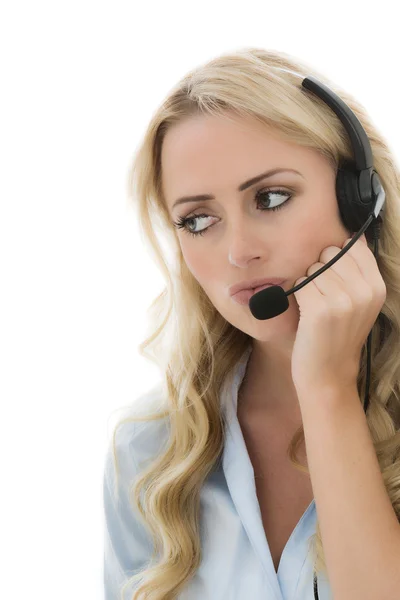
x=319, y=232
x=200, y=264
x=324, y=221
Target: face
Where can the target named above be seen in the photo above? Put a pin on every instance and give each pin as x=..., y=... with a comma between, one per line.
x=241, y=241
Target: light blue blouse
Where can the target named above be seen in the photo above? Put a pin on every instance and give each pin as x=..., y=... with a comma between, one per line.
x=236, y=559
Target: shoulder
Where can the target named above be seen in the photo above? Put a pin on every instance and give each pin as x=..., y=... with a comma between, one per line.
x=127, y=540
x=134, y=443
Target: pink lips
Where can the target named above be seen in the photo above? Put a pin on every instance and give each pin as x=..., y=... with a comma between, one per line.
x=243, y=297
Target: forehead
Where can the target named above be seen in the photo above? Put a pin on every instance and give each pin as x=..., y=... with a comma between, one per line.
x=209, y=139
x=208, y=153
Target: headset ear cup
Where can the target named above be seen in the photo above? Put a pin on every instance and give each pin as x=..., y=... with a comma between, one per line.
x=342, y=201
x=352, y=211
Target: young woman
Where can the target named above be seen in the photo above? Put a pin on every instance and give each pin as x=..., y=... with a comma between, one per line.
x=255, y=465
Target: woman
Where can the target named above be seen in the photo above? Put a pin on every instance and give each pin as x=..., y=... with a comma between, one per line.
x=226, y=509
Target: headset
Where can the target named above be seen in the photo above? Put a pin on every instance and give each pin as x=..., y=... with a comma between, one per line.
x=361, y=200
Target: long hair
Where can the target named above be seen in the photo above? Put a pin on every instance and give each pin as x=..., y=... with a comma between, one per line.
x=195, y=349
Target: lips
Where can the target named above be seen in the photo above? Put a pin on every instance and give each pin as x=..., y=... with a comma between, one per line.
x=254, y=284
x=259, y=288
x=243, y=296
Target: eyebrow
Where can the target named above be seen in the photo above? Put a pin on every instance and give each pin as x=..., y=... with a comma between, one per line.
x=241, y=188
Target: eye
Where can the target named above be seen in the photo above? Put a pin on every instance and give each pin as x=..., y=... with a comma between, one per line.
x=183, y=222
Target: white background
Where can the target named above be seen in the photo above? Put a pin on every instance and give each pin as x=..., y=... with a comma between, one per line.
x=79, y=82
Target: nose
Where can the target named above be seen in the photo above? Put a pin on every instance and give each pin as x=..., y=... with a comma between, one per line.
x=244, y=245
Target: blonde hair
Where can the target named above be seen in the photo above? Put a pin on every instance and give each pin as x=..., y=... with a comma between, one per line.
x=196, y=348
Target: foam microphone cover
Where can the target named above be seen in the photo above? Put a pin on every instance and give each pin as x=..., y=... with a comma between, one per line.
x=269, y=303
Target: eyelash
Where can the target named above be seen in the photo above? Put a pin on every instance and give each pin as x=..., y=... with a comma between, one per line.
x=182, y=221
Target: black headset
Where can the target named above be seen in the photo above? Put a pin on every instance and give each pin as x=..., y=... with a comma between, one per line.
x=359, y=192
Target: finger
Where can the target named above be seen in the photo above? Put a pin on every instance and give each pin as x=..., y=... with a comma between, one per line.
x=364, y=259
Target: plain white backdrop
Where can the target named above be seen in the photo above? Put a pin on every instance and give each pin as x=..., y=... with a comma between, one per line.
x=79, y=82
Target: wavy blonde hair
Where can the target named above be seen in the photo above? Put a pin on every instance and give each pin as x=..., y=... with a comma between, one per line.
x=196, y=348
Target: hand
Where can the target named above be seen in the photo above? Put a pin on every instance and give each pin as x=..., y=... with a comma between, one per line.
x=337, y=312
